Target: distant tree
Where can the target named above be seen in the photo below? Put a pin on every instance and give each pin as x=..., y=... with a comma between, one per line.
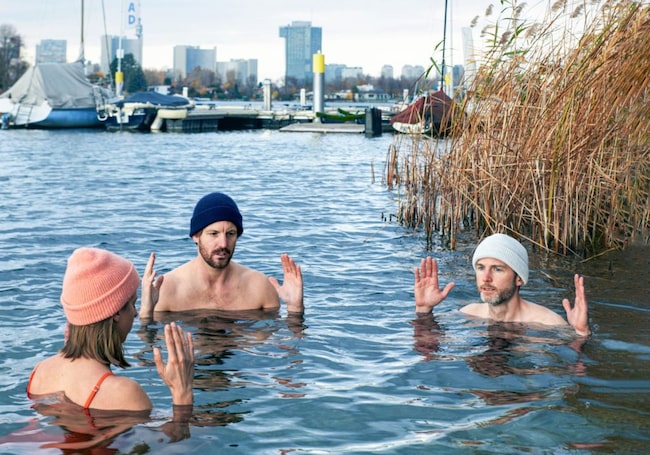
x=200, y=82
x=290, y=90
x=156, y=77
x=11, y=65
x=134, y=79
x=249, y=88
x=136, y=82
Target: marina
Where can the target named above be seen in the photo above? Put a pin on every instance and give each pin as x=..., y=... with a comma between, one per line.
x=360, y=373
x=248, y=117
x=363, y=370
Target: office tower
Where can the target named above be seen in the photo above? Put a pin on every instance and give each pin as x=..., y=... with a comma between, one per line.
x=387, y=72
x=110, y=45
x=189, y=58
x=51, y=51
x=243, y=71
x=302, y=41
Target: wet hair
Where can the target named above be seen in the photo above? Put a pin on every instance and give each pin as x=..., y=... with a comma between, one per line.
x=99, y=341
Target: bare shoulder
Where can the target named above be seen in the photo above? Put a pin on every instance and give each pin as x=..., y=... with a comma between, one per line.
x=543, y=315
x=476, y=309
x=174, y=286
x=253, y=276
x=121, y=393
x=256, y=279
x=180, y=273
x=258, y=285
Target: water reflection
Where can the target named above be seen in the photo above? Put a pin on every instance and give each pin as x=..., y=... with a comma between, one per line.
x=520, y=371
x=89, y=431
x=218, y=336
x=511, y=348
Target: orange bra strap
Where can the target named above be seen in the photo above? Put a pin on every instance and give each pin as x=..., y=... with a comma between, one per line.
x=91, y=397
x=29, y=383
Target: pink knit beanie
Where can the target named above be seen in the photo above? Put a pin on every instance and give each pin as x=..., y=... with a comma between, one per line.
x=96, y=285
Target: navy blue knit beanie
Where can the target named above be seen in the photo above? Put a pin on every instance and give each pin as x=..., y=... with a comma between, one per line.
x=215, y=207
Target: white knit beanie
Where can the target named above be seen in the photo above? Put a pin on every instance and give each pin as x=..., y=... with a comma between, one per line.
x=505, y=249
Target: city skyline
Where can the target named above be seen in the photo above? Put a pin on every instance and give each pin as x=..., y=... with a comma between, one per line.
x=369, y=35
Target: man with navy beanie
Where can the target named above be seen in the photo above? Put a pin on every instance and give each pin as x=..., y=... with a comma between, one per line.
x=501, y=266
x=212, y=280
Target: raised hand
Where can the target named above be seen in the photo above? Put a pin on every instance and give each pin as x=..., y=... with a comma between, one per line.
x=427, y=290
x=178, y=372
x=150, y=288
x=578, y=315
x=291, y=291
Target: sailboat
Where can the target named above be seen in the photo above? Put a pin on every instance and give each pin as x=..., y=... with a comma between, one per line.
x=432, y=113
x=55, y=95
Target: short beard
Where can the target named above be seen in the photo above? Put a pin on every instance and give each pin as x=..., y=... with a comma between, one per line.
x=207, y=258
x=503, y=296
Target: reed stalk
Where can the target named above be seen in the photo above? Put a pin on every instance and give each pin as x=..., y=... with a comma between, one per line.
x=555, y=142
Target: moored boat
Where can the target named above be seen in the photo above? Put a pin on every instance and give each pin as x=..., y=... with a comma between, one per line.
x=54, y=95
x=146, y=111
x=431, y=113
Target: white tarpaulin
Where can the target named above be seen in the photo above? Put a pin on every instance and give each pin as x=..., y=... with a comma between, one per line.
x=62, y=85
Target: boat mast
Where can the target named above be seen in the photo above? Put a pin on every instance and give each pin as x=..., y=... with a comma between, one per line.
x=82, y=56
x=444, y=44
x=119, y=76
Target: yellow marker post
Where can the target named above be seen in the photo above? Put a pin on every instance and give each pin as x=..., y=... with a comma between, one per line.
x=318, y=64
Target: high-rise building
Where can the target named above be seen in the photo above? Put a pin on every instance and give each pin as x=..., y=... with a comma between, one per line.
x=243, y=71
x=302, y=41
x=387, y=71
x=189, y=58
x=412, y=72
x=352, y=72
x=51, y=51
x=457, y=73
x=333, y=72
x=110, y=46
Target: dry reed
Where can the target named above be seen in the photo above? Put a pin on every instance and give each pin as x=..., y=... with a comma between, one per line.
x=555, y=146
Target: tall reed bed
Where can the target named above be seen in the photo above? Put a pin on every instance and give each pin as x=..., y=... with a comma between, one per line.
x=555, y=142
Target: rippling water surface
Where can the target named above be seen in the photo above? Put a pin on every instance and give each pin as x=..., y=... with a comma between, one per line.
x=359, y=374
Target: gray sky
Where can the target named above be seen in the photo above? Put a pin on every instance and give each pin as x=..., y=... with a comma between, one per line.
x=365, y=33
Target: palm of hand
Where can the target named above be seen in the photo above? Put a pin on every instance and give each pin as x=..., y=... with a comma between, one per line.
x=578, y=316
x=291, y=289
x=428, y=292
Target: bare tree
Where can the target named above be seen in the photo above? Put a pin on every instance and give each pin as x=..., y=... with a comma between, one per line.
x=11, y=66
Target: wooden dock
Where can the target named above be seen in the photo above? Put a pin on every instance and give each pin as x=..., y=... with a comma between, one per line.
x=232, y=118
x=318, y=127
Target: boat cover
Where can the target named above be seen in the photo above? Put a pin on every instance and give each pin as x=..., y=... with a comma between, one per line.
x=62, y=85
x=435, y=106
x=155, y=99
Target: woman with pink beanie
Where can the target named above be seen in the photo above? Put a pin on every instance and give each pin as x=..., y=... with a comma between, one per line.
x=98, y=298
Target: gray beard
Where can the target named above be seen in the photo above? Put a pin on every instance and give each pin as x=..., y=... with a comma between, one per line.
x=501, y=297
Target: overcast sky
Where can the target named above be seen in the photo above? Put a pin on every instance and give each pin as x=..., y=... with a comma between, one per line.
x=365, y=33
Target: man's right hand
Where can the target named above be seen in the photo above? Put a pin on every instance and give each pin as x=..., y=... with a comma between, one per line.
x=427, y=290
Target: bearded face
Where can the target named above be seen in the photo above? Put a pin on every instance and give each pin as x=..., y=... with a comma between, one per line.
x=217, y=258
x=495, y=296
x=216, y=243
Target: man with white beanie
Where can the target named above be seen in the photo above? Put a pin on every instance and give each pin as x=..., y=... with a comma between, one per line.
x=501, y=266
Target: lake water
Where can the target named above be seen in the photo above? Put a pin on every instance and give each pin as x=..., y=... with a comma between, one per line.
x=360, y=374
